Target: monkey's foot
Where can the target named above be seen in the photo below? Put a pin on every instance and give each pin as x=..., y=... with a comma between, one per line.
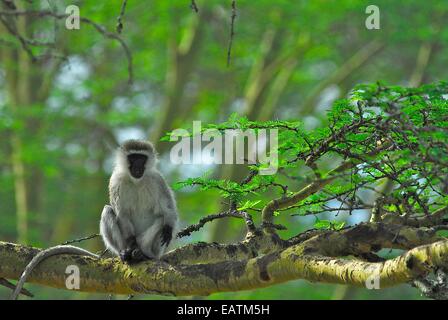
x=126, y=255
x=132, y=256
x=138, y=256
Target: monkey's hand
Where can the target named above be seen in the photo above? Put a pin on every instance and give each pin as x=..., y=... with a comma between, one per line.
x=166, y=235
x=127, y=254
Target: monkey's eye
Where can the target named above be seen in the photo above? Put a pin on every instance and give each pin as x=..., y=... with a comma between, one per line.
x=137, y=159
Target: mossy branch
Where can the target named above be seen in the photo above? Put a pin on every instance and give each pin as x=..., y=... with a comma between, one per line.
x=264, y=260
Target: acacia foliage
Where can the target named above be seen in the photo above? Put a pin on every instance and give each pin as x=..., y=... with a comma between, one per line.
x=390, y=132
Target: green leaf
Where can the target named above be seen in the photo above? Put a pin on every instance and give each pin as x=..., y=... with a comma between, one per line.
x=248, y=204
x=327, y=224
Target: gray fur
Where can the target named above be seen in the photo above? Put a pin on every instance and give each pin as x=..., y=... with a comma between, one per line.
x=137, y=145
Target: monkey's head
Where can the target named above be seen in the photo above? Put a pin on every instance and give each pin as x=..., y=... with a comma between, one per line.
x=137, y=156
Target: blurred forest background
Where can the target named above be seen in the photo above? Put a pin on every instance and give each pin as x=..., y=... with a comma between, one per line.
x=62, y=115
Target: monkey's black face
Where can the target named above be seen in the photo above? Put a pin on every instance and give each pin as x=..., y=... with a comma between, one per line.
x=137, y=164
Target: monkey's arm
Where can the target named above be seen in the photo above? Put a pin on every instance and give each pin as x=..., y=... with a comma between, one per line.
x=120, y=220
x=44, y=255
x=169, y=211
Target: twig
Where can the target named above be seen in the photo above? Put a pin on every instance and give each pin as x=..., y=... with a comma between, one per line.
x=98, y=27
x=232, y=32
x=193, y=6
x=81, y=239
x=120, y=17
x=123, y=44
x=196, y=227
x=273, y=226
x=331, y=210
x=21, y=39
x=231, y=213
x=11, y=286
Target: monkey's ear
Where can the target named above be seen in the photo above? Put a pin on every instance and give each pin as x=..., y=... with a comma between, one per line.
x=152, y=148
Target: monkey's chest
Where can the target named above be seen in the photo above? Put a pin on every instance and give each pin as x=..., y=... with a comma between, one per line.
x=141, y=204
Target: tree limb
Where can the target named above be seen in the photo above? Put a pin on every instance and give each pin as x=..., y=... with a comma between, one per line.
x=243, y=269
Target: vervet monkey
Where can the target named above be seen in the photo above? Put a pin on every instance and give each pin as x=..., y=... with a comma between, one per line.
x=141, y=219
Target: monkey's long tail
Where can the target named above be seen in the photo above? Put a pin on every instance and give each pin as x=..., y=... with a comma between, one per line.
x=44, y=254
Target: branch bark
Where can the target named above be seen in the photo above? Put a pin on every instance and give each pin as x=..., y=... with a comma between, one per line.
x=243, y=267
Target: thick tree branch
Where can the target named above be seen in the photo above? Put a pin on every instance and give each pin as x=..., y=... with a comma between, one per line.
x=242, y=268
